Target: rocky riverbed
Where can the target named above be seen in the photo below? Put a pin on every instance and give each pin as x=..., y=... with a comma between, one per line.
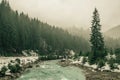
x=26, y=63
x=98, y=75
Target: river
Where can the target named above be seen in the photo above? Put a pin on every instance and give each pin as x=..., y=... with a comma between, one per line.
x=49, y=70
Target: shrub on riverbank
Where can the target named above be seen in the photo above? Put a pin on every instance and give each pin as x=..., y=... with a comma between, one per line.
x=3, y=71
x=17, y=60
x=14, y=68
x=107, y=64
x=101, y=63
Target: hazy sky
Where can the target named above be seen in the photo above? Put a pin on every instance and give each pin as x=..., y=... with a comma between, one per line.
x=67, y=13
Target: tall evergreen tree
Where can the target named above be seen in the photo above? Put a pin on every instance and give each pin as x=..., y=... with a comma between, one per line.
x=97, y=41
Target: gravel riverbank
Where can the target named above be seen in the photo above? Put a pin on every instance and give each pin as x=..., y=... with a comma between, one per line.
x=26, y=62
x=92, y=74
x=98, y=75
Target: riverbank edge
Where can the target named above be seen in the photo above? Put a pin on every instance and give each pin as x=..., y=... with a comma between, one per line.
x=91, y=74
x=25, y=67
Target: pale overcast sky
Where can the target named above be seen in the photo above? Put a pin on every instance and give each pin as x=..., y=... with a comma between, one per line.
x=67, y=13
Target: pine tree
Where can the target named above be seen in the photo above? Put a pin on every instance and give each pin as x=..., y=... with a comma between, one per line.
x=19, y=32
x=97, y=41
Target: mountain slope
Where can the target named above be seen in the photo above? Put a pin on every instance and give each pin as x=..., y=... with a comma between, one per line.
x=80, y=32
x=114, y=32
x=19, y=32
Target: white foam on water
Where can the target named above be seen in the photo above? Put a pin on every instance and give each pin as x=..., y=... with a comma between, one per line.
x=64, y=78
x=22, y=76
x=33, y=79
x=42, y=66
x=52, y=71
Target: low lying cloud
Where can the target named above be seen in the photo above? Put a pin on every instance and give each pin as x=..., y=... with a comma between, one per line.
x=67, y=13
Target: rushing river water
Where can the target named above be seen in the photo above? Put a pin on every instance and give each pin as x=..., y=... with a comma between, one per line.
x=49, y=70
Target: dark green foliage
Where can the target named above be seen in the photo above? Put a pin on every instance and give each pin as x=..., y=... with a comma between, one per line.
x=75, y=56
x=51, y=57
x=117, y=51
x=43, y=58
x=17, y=60
x=112, y=66
x=18, y=67
x=91, y=59
x=97, y=41
x=86, y=54
x=101, y=63
x=12, y=61
x=80, y=53
x=118, y=59
x=14, y=68
x=111, y=63
x=111, y=51
x=3, y=71
x=19, y=32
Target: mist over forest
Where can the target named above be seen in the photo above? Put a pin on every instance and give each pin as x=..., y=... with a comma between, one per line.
x=59, y=40
x=21, y=32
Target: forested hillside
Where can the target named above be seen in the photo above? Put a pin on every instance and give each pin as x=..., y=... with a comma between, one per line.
x=80, y=32
x=20, y=32
x=112, y=41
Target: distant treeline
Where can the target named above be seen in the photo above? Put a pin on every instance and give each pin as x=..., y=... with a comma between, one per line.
x=20, y=32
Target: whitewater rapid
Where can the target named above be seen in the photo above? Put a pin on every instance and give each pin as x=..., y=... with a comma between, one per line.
x=49, y=70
